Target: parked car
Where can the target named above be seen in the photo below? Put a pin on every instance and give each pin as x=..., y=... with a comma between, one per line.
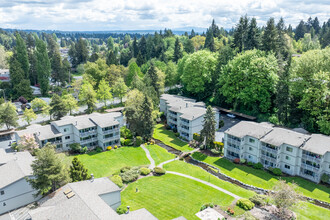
x=231, y=116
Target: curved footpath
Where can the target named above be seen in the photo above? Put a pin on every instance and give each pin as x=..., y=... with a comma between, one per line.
x=152, y=165
x=206, y=183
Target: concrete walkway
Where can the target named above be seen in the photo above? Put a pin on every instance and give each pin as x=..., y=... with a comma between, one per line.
x=168, y=161
x=152, y=162
x=206, y=183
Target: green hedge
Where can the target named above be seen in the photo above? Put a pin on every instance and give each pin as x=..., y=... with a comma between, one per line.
x=245, y=204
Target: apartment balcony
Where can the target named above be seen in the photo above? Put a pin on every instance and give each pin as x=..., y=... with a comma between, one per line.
x=85, y=134
x=88, y=141
x=184, y=128
x=307, y=176
x=110, y=131
x=269, y=150
x=184, y=123
x=57, y=142
x=231, y=141
x=111, y=138
x=270, y=159
x=311, y=159
x=233, y=149
x=310, y=167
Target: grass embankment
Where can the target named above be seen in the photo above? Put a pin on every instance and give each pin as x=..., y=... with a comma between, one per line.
x=263, y=179
x=169, y=138
x=159, y=154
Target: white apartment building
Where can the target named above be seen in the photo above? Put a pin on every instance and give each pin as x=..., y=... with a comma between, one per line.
x=184, y=114
x=15, y=191
x=294, y=153
x=92, y=130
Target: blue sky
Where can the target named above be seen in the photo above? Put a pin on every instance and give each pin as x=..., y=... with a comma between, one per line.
x=96, y=15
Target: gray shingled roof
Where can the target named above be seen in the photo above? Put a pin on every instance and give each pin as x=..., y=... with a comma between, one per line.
x=43, y=132
x=105, y=120
x=279, y=136
x=318, y=143
x=249, y=128
x=192, y=113
x=85, y=204
x=15, y=167
x=80, y=122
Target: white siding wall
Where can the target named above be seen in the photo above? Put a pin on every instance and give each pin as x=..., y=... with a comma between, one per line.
x=17, y=194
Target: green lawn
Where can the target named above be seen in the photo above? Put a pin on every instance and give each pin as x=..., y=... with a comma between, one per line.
x=191, y=170
x=306, y=211
x=168, y=138
x=263, y=179
x=108, y=162
x=159, y=154
x=171, y=196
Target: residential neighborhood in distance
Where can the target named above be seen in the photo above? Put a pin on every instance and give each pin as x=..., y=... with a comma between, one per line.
x=162, y=110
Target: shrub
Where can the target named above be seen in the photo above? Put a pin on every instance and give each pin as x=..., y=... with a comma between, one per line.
x=175, y=130
x=237, y=160
x=325, y=178
x=128, y=142
x=258, y=166
x=203, y=207
x=194, y=144
x=124, y=169
x=221, y=123
x=144, y=171
x=98, y=149
x=122, y=141
x=117, y=180
x=245, y=204
x=177, y=134
x=152, y=141
x=243, y=161
x=276, y=171
x=138, y=141
x=259, y=200
x=75, y=148
x=250, y=163
x=116, y=146
x=109, y=148
x=159, y=171
x=126, y=133
x=215, y=151
x=167, y=127
x=130, y=175
x=84, y=150
x=196, y=137
x=121, y=209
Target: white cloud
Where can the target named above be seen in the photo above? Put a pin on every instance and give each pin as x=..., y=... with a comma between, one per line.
x=152, y=14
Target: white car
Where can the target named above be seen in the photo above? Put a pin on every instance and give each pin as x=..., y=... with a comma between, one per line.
x=231, y=116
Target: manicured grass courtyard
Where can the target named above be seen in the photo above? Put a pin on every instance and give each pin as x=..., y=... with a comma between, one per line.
x=168, y=138
x=171, y=196
x=263, y=179
x=159, y=154
x=106, y=163
x=191, y=170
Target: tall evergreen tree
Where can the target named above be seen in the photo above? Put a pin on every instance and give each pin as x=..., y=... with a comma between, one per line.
x=49, y=173
x=43, y=66
x=192, y=33
x=77, y=171
x=21, y=55
x=269, y=38
x=152, y=79
x=209, y=41
x=300, y=30
x=208, y=131
x=252, y=35
x=240, y=34
x=135, y=48
x=81, y=51
x=143, y=47
x=189, y=46
x=147, y=123
x=282, y=46
x=316, y=25
x=111, y=58
x=33, y=75
x=58, y=108
x=177, y=51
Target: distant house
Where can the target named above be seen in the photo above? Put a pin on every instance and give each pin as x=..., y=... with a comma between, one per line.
x=36, y=91
x=184, y=114
x=90, y=199
x=15, y=191
x=4, y=75
x=92, y=130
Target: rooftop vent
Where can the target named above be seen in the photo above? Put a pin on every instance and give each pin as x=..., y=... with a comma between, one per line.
x=70, y=195
x=92, y=179
x=66, y=192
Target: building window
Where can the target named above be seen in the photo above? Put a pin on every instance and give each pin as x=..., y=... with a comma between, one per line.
x=287, y=157
x=65, y=129
x=4, y=204
x=249, y=156
x=287, y=167
x=250, y=148
x=289, y=149
x=251, y=140
x=2, y=192
x=67, y=137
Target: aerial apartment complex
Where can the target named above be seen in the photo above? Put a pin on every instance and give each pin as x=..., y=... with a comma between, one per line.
x=184, y=114
x=294, y=153
x=92, y=130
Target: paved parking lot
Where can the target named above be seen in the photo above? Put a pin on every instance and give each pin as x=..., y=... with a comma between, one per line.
x=229, y=122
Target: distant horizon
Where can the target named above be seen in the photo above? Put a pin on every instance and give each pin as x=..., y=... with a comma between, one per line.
x=125, y=15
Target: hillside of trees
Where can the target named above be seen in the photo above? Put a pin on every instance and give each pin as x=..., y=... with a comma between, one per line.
x=276, y=72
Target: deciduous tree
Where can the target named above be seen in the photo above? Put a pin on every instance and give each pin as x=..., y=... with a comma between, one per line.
x=29, y=115
x=87, y=96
